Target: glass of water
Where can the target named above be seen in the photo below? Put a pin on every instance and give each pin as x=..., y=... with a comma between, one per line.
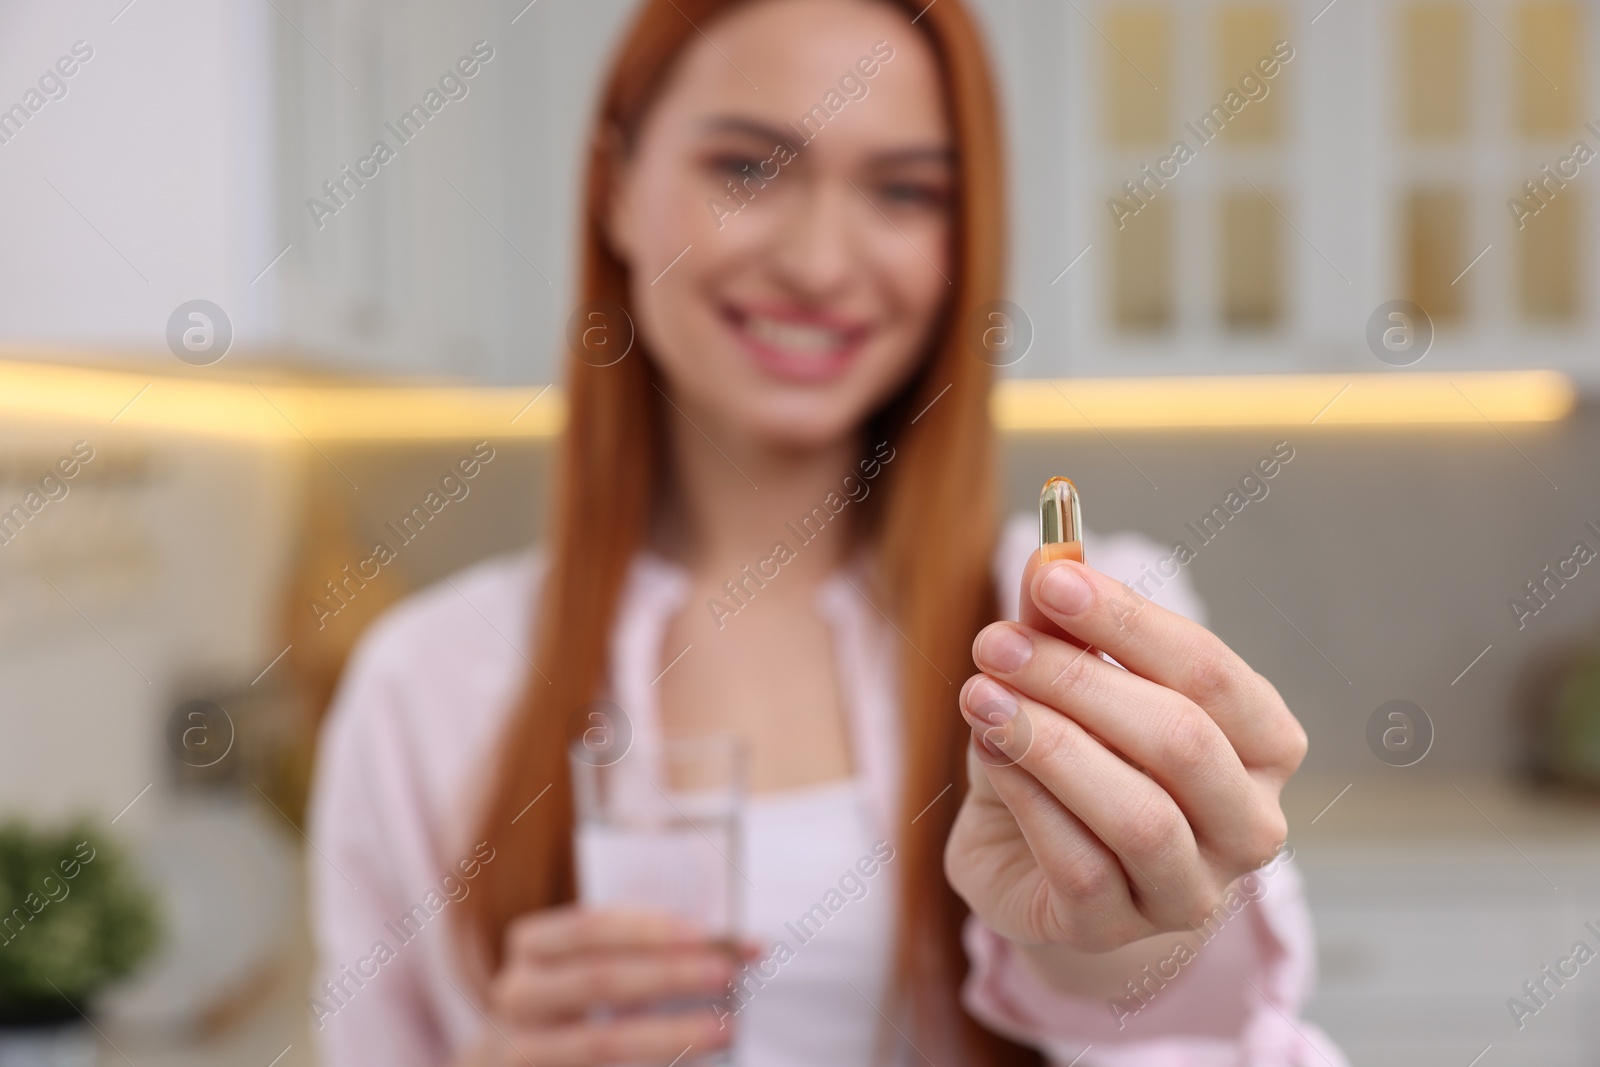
x=658, y=827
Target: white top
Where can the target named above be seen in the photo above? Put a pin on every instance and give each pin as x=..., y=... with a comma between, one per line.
x=828, y=927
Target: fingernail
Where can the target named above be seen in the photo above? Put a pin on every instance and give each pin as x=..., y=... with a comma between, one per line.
x=1004, y=648
x=1064, y=590
x=988, y=701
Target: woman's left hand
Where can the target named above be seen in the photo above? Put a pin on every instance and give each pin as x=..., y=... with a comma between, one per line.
x=1107, y=805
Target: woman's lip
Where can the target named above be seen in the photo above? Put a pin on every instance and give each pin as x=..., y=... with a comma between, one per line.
x=788, y=362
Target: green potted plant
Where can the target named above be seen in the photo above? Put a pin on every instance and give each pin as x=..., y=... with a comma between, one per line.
x=74, y=917
x=1574, y=735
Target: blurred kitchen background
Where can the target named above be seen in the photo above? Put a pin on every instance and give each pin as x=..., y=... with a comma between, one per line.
x=1385, y=257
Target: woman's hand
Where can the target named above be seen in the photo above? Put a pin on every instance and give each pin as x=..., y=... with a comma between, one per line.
x=1107, y=805
x=563, y=963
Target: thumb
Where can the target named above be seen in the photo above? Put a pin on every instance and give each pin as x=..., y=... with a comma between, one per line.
x=979, y=787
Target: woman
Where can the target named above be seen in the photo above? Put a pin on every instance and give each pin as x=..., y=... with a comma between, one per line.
x=798, y=203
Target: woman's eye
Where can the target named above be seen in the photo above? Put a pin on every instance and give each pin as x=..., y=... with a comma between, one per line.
x=913, y=194
x=732, y=165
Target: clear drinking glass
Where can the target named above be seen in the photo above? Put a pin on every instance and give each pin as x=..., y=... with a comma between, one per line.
x=658, y=826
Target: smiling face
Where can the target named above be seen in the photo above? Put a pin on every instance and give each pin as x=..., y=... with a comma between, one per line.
x=789, y=245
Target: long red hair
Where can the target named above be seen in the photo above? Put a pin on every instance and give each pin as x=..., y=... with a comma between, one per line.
x=933, y=530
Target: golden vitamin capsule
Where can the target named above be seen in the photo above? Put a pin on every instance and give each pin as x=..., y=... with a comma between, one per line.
x=1060, y=521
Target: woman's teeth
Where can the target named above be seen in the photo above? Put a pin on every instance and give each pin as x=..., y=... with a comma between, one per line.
x=813, y=340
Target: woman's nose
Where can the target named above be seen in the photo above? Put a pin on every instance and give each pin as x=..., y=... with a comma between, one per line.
x=816, y=243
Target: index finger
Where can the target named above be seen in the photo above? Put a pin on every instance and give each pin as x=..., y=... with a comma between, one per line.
x=1168, y=649
x=571, y=928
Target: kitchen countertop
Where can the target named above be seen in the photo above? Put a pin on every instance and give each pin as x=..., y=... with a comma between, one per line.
x=1402, y=807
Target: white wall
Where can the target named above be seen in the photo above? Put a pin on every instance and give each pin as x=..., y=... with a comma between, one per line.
x=163, y=563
